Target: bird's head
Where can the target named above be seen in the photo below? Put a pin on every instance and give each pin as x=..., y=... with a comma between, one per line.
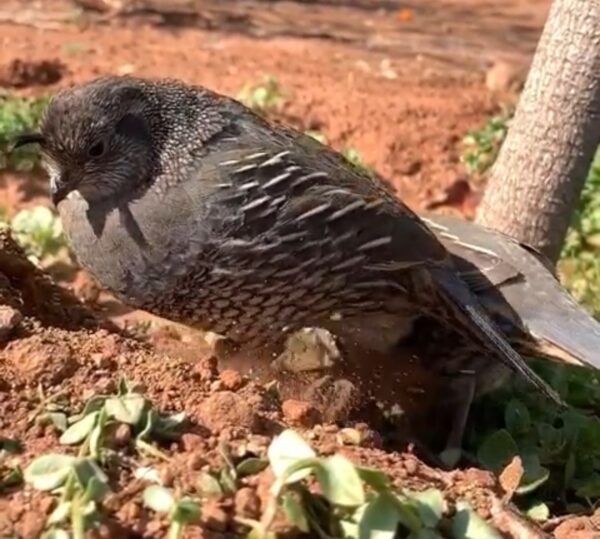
x=114, y=135
x=96, y=138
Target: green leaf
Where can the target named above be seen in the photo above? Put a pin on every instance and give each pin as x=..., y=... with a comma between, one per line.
x=58, y=419
x=96, y=489
x=60, y=513
x=294, y=511
x=49, y=471
x=127, y=408
x=168, y=427
x=209, y=485
x=552, y=440
x=534, y=474
x=430, y=506
x=91, y=406
x=570, y=468
x=516, y=417
x=228, y=480
x=380, y=518
x=340, y=482
x=286, y=450
x=374, y=478
x=589, y=487
x=55, y=533
x=497, y=450
x=467, y=524
x=95, y=441
x=79, y=431
x=10, y=446
x=158, y=499
x=425, y=533
x=257, y=533
x=151, y=419
x=12, y=477
x=539, y=512
x=251, y=466
x=186, y=510
x=86, y=470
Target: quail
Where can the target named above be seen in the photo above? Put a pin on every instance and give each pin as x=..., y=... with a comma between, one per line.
x=185, y=203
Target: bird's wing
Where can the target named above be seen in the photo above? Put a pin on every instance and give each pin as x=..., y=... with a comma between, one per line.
x=555, y=320
x=294, y=187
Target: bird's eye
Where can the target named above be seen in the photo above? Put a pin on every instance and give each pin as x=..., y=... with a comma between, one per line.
x=97, y=149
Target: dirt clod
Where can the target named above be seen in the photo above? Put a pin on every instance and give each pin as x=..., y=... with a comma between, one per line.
x=10, y=318
x=226, y=409
x=300, y=413
x=215, y=516
x=40, y=361
x=231, y=380
x=247, y=503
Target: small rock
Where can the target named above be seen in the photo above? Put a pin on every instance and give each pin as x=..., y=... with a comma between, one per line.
x=247, y=503
x=191, y=441
x=231, y=380
x=215, y=386
x=207, y=369
x=85, y=288
x=47, y=505
x=129, y=512
x=411, y=466
x=32, y=525
x=196, y=461
x=122, y=435
x=215, y=517
x=300, y=413
x=9, y=319
x=101, y=361
x=167, y=476
x=412, y=168
x=226, y=409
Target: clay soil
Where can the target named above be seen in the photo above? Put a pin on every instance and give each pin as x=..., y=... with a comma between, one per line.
x=402, y=83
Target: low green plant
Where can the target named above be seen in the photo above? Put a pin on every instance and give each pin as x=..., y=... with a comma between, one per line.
x=353, y=501
x=88, y=428
x=580, y=259
x=349, y=152
x=79, y=480
x=39, y=232
x=18, y=114
x=180, y=511
x=227, y=479
x=81, y=486
x=481, y=146
x=559, y=449
x=264, y=97
x=11, y=474
x=354, y=156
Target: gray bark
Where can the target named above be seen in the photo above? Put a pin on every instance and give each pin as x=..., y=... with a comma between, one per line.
x=535, y=184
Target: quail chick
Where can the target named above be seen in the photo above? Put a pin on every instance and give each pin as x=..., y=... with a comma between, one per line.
x=185, y=203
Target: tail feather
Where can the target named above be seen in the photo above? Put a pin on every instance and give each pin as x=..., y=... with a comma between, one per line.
x=483, y=329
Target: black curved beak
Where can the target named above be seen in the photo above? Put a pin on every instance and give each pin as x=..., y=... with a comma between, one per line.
x=27, y=138
x=58, y=192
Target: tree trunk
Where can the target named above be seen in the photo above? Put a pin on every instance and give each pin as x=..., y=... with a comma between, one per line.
x=535, y=184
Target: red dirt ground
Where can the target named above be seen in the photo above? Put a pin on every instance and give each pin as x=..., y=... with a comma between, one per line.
x=401, y=83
